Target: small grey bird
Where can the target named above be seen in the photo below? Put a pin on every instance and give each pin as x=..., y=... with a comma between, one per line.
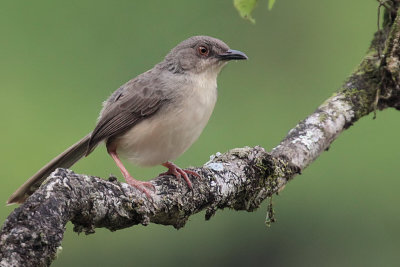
x=155, y=117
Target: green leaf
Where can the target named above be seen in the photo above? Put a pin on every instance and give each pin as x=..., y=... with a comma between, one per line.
x=245, y=7
x=271, y=4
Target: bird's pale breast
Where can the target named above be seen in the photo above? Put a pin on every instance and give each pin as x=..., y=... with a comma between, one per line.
x=170, y=132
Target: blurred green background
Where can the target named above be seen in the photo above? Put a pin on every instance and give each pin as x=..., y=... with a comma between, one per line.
x=60, y=59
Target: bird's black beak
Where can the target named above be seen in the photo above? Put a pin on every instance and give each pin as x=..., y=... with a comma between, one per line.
x=232, y=54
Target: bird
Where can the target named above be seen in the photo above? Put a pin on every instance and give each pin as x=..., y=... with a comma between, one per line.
x=153, y=118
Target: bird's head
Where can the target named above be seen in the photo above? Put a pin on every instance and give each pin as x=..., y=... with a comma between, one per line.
x=200, y=54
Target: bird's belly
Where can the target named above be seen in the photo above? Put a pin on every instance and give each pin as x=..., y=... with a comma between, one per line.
x=166, y=135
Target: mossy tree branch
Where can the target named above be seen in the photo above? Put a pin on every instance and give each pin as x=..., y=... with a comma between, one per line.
x=239, y=179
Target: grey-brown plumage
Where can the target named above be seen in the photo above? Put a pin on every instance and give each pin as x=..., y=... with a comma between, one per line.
x=155, y=117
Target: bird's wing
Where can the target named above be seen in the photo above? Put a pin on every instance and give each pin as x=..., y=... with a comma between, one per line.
x=129, y=105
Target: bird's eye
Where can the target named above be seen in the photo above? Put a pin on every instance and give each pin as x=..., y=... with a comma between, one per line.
x=203, y=50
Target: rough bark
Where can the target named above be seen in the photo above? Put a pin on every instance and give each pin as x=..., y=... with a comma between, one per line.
x=239, y=179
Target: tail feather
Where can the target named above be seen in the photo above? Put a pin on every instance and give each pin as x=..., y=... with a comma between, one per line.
x=65, y=160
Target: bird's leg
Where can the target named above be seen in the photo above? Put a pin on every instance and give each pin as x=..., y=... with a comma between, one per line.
x=178, y=172
x=129, y=179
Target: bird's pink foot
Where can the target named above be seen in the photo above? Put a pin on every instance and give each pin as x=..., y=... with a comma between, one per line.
x=178, y=172
x=128, y=178
x=142, y=186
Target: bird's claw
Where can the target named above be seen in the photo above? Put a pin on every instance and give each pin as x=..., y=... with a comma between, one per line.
x=141, y=186
x=178, y=173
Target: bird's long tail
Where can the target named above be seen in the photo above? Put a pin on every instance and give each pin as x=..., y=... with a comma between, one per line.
x=65, y=160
